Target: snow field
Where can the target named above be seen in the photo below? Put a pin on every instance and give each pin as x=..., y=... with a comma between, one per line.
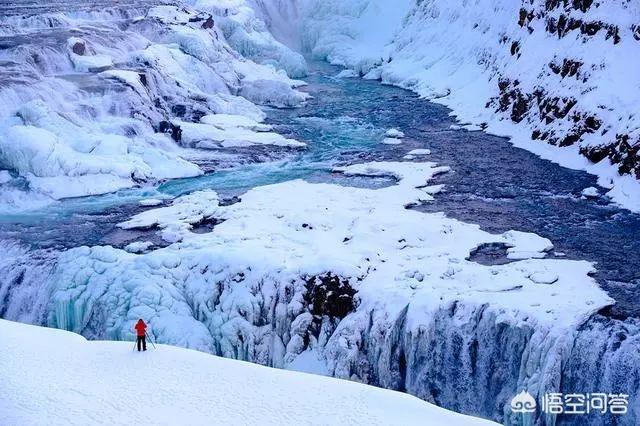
x=73, y=381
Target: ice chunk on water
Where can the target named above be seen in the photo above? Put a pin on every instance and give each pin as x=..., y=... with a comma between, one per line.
x=149, y=202
x=229, y=121
x=394, y=133
x=272, y=93
x=419, y=152
x=392, y=141
x=346, y=74
x=207, y=136
x=591, y=192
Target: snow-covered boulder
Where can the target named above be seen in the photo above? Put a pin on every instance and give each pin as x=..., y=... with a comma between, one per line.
x=591, y=192
x=394, y=133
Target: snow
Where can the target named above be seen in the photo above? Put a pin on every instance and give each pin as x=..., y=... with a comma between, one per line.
x=86, y=122
x=394, y=133
x=242, y=289
x=415, y=153
x=409, y=44
x=150, y=202
x=543, y=277
x=227, y=121
x=138, y=246
x=591, y=192
x=224, y=134
x=5, y=176
x=249, y=35
x=353, y=33
x=130, y=78
x=90, y=63
x=391, y=141
x=347, y=74
x=419, y=151
x=82, y=382
x=177, y=219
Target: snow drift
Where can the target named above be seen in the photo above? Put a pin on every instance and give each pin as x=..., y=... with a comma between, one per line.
x=546, y=72
x=75, y=381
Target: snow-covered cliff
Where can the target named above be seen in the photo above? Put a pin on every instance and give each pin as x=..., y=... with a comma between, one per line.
x=546, y=72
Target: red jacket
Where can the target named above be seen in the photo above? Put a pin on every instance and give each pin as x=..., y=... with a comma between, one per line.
x=141, y=328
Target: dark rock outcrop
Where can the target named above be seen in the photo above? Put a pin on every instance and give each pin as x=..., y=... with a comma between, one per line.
x=169, y=127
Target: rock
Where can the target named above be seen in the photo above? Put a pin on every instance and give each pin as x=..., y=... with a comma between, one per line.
x=208, y=23
x=79, y=48
x=329, y=295
x=169, y=127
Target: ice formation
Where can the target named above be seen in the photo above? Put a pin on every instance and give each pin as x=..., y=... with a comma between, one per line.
x=95, y=111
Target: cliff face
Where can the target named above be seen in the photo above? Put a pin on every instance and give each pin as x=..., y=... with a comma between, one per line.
x=584, y=93
x=555, y=72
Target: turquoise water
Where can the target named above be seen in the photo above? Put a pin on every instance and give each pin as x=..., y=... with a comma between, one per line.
x=329, y=141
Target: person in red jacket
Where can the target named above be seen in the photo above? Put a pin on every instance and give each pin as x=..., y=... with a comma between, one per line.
x=141, y=332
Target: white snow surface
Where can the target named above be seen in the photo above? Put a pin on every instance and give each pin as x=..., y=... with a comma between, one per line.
x=456, y=52
x=55, y=377
x=177, y=219
x=419, y=151
x=5, y=176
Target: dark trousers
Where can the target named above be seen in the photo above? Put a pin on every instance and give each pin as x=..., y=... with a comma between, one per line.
x=142, y=340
